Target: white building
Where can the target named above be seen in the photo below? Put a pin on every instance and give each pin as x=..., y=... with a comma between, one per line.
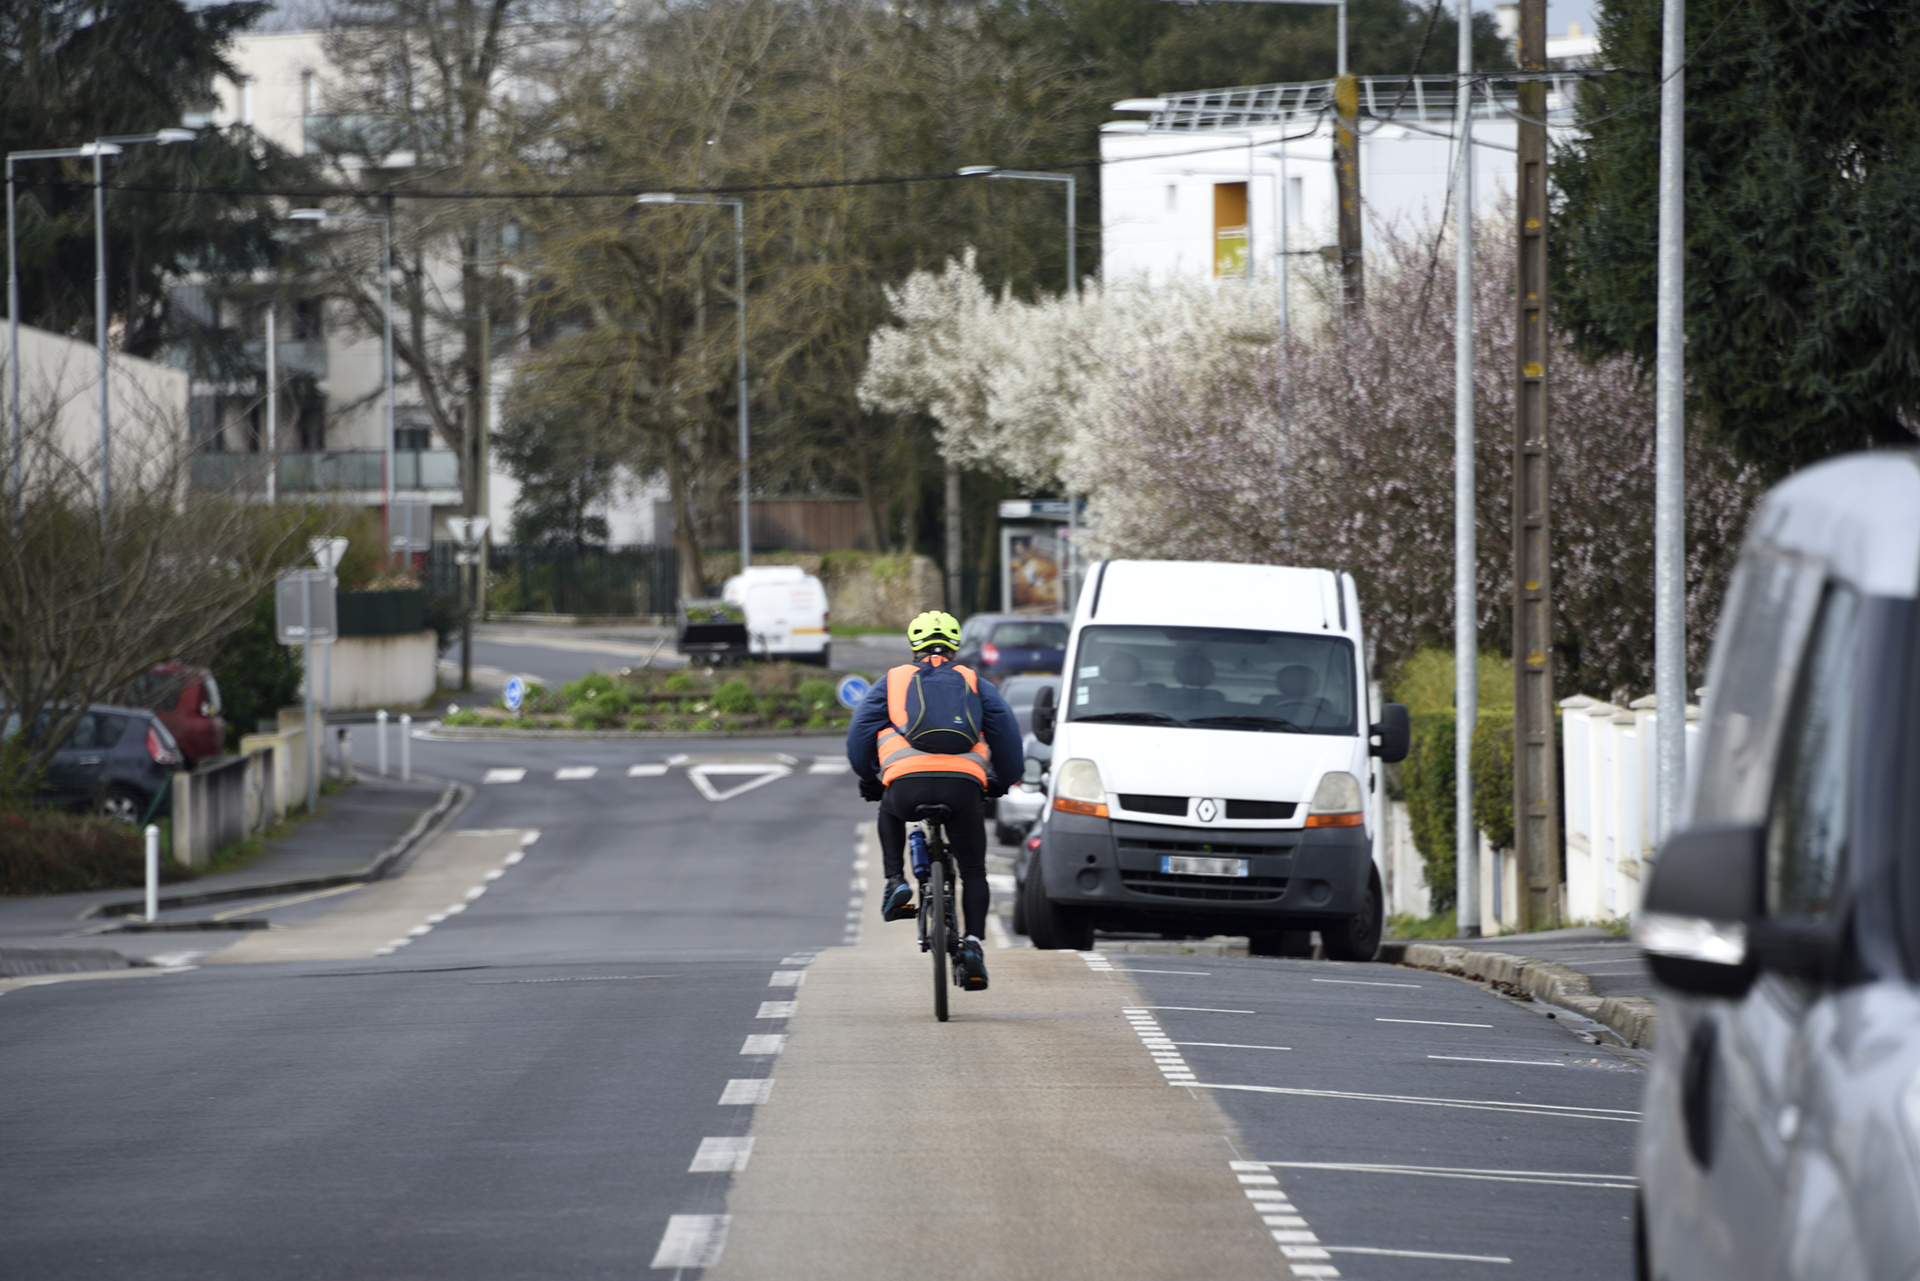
x=1214, y=178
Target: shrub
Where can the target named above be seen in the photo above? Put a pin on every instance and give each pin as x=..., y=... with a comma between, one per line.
x=1493, y=778
x=734, y=697
x=815, y=694
x=679, y=683
x=258, y=675
x=1428, y=776
x=49, y=852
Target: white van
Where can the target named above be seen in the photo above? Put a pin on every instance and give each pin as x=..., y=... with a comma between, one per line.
x=1212, y=767
x=786, y=610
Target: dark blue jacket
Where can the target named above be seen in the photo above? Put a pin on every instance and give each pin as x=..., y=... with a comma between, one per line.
x=998, y=727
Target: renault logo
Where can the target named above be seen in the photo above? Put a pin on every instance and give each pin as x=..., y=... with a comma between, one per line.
x=1206, y=811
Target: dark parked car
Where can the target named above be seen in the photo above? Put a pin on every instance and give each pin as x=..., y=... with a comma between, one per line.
x=187, y=700
x=1002, y=645
x=115, y=763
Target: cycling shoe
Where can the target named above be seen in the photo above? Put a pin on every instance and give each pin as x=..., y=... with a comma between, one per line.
x=896, y=903
x=973, y=966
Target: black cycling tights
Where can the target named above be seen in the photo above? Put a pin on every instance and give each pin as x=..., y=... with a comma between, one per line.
x=966, y=835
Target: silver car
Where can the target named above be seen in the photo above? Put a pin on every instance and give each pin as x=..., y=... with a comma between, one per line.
x=1782, y=1115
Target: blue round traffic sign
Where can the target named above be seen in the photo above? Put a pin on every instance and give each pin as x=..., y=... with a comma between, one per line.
x=514, y=694
x=852, y=689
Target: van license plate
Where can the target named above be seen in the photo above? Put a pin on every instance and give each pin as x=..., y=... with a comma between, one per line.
x=1189, y=865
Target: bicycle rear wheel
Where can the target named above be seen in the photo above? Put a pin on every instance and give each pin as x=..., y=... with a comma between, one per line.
x=933, y=903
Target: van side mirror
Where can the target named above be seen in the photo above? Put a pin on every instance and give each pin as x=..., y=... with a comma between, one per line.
x=1705, y=896
x=1395, y=732
x=1045, y=706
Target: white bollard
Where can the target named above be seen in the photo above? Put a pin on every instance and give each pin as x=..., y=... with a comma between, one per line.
x=153, y=871
x=406, y=748
x=380, y=717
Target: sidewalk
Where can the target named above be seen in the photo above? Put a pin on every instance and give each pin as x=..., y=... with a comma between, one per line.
x=1597, y=975
x=358, y=834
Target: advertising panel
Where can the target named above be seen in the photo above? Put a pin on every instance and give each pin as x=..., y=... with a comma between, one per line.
x=1030, y=570
x=1229, y=228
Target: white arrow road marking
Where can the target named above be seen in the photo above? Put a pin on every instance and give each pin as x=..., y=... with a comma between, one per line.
x=756, y=775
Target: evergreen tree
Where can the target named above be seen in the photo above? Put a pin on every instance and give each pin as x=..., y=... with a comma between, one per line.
x=75, y=70
x=1802, y=232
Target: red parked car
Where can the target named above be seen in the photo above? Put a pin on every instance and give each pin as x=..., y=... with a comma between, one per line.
x=187, y=701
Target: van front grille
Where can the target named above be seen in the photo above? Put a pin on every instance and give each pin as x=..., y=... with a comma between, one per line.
x=1139, y=804
x=1260, y=809
x=1215, y=889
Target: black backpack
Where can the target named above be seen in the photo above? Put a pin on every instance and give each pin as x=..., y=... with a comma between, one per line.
x=943, y=711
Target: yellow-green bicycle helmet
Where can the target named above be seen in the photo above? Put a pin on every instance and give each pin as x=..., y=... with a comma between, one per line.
x=935, y=627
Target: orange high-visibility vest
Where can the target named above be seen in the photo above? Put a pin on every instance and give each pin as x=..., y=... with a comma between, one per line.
x=899, y=757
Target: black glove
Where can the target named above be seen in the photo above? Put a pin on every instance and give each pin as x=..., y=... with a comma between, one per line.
x=995, y=790
x=872, y=789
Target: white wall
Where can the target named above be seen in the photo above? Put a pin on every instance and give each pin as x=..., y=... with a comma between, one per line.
x=146, y=401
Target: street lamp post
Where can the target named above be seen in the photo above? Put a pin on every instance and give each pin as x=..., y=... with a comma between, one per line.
x=101, y=148
x=953, y=469
x=740, y=293
x=386, y=351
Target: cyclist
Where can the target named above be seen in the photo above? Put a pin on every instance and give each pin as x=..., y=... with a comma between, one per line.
x=981, y=752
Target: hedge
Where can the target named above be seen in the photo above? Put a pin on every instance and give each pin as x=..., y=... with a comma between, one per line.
x=51, y=852
x=1427, y=775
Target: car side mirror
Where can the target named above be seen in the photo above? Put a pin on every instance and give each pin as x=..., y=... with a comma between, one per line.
x=1395, y=732
x=1045, y=706
x=1704, y=898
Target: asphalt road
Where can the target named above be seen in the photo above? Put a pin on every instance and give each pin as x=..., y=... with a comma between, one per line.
x=546, y=1051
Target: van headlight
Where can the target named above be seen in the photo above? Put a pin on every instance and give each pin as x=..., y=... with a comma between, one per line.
x=1077, y=789
x=1337, y=802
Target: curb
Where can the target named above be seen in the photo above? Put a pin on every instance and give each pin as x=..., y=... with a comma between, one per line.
x=483, y=733
x=1632, y=1018
x=453, y=798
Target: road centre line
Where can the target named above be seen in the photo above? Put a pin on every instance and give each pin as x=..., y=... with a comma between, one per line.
x=655, y=770
x=1433, y=1023
x=692, y=1241
x=574, y=773
x=1227, y=1045
x=285, y=902
x=1561, y=1111
x=748, y=1091
x=1548, y=1178
x=722, y=1155
x=1416, y=1254
x=1363, y=983
x=1468, y=1058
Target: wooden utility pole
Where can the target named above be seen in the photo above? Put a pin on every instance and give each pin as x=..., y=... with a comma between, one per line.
x=1536, y=801
x=1346, y=174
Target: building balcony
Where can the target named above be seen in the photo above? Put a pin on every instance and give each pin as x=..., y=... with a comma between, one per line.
x=337, y=472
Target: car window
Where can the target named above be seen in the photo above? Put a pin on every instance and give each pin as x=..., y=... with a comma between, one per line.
x=1770, y=605
x=1031, y=635
x=1216, y=677
x=108, y=728
x=1807, y=829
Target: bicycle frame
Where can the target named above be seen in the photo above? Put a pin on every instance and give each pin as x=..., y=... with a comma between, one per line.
x=938, y=921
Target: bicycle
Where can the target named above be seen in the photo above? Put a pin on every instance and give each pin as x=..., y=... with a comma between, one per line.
x=933, y=868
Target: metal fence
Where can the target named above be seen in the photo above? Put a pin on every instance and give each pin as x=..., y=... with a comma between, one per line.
x=606, y=581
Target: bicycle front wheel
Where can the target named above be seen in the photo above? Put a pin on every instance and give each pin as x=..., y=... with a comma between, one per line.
x=933, y=904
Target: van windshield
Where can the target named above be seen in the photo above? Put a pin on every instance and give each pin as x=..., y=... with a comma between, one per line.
x=1214, y=678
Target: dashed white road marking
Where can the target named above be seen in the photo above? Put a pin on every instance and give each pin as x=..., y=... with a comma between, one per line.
x=1363, y=983
x=574, y=773
x=828, y=765
x=723, y=1155
x=503, y=776
x=692, y=1241
x=798, y=958
x=1128, y=969
x=1165, y=1057
x=1195, y=1009
x=1432, y=1023
x=1298, y=1244
x=1558, y=1111
x=787, y=978
x=776, y=1009
x=747, y=1091
x=765, y=1043
x=1549, y=1178
x=1467, y=1058
x=655, y=770
x=1097, y=961
x=1228, y=1045
x=1416, y=1254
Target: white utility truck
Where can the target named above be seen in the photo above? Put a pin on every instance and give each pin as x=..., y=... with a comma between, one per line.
x=786, y=610
x=1213, y=762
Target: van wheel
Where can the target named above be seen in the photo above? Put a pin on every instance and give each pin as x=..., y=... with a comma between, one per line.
x=1294, y=943
x=1052, y=925
x=1019, y=923
x=1356, y=937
